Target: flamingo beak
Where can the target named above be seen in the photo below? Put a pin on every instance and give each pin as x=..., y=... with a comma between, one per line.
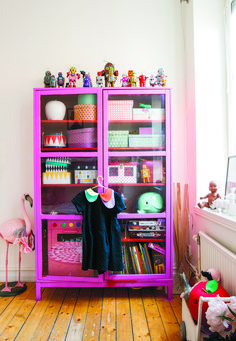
x=29, y=199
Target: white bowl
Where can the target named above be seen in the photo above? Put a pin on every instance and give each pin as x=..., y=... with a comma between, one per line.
x=55, y=110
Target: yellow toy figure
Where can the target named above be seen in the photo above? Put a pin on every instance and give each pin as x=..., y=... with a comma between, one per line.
x=111, y=78
x=145, y=173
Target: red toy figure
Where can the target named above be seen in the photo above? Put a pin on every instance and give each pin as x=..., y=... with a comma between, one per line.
x=72, y=75
x=142, y=80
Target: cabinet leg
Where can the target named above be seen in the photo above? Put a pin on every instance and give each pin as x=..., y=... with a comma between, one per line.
x=38, y=292
x=170, y=291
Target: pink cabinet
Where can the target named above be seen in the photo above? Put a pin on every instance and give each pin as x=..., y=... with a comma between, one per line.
x=122, y=135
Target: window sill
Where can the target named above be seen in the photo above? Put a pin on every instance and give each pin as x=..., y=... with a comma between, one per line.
x=227, y=221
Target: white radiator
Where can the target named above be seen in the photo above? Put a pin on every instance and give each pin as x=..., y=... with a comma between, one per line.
x=214, y=255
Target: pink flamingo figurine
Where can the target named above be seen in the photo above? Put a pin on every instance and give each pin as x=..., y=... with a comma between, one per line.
x=18, y=231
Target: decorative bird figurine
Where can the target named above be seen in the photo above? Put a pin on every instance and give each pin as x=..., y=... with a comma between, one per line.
x=17, y=231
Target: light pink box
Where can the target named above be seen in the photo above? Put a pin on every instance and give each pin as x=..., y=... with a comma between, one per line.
x=120, y=110
x=145, y=131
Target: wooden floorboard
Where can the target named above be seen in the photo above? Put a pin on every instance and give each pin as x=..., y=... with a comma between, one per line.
x=96, y=314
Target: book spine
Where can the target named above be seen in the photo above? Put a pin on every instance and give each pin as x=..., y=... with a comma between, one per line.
x=139, y=258
x=145, y=259
x=142, y=259
x=132, y=259
x=136, y=260
x=148, y=258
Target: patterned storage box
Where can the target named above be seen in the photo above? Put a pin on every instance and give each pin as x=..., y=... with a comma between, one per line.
x=122, y=172
x=85, y=174
x=118, y=138
x=142, y=114
x=82, y=138
x=85, y=112
x=120, y=110
x=146, y=140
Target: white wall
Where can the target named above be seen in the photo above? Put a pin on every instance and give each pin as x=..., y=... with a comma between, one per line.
x=209, y=103
x=54, y=35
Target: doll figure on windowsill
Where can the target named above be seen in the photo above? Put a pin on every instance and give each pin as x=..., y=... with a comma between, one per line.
x=211, y=197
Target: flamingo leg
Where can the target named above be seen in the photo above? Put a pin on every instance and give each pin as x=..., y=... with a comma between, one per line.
x=19, y=284
x=7, y=288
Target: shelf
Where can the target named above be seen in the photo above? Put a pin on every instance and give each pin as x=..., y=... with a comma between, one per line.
x=137, y=184
x=137, y=121
x=68, y=185
x=68, y=121
x=65, y=149
x=142, y=240
x=136, y=148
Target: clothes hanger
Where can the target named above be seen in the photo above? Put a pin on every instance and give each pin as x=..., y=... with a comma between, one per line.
x=99, y=184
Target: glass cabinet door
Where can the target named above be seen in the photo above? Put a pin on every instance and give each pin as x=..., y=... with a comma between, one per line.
x=137, y=165
x=69, y=122
x=62, y=249
x=68, y=150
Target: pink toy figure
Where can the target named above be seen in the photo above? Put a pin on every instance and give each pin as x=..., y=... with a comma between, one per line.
x=142, y=80
x=124, y=81
x=73, y=76
x=17, y=231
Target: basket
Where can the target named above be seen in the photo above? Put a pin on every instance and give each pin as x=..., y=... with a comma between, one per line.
x=118, y=138
x=120, y=110
x=85, y=112
x=146, y=140
x=82, y=138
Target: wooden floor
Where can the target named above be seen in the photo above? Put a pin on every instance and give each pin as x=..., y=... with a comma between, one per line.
x=114, y=314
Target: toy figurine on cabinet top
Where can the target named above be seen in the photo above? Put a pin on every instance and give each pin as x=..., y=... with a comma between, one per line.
x=53, y=82
x=110, y=74
x=124, y=81
x=60, y=80
x=132, y=78
x=86, y=79
x=142, y=80
x=99, y=79
x=161, y=77
x=47, y=79
x=72, y=76
x=152, y=81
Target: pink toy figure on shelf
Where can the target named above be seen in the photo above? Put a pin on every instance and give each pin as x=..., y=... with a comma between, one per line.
x=211, y=197
x=142, y=80
x=124, y=81
x=72, y=76
x=17, y=231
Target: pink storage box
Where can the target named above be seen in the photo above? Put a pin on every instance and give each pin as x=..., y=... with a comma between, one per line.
x=146, y=131
x=154, y=168
x=82, y=138
x=125, y=172
x=120, y=110
x=142, y=114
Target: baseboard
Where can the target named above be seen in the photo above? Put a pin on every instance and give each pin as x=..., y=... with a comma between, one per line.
x=25, y=275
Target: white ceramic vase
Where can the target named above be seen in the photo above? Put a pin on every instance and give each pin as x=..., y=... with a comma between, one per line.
x=55, y=110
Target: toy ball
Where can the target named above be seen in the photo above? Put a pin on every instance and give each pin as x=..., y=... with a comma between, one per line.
x=150, y=202
x=205, y=289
